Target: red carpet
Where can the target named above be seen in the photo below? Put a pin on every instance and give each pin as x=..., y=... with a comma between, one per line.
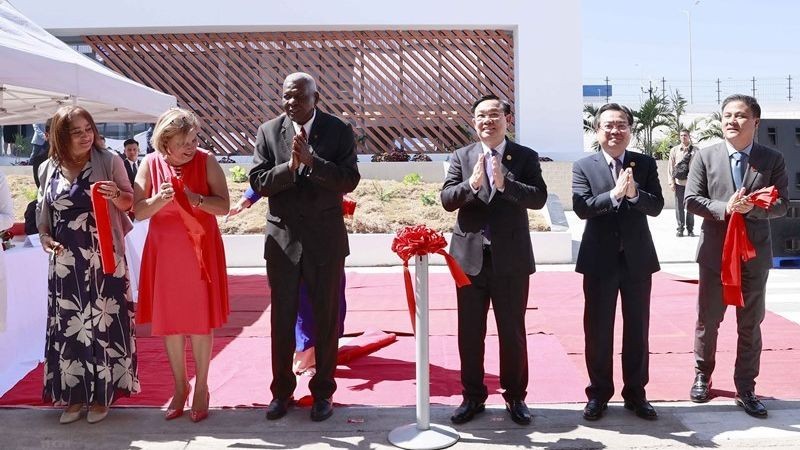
x=240, y=368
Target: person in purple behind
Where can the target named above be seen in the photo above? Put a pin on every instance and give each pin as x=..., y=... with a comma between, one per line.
x=304, y=334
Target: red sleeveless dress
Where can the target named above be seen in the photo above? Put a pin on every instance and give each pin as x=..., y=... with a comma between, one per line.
x=183, y=284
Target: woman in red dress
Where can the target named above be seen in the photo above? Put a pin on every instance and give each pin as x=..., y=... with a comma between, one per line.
x=183, y=287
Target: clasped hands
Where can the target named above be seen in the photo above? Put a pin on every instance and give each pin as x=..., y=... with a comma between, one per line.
x=301, y=153
x=166, y=192
x=626, y=186
x=478, y=172
x=739, y=202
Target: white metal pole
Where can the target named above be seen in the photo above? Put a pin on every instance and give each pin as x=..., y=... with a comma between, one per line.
x=422, y=435
x=423, y=357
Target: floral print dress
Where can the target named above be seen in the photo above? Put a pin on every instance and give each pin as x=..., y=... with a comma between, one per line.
x=90, y=351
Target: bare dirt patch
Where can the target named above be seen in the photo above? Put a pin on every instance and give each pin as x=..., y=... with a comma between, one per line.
x=382, y=207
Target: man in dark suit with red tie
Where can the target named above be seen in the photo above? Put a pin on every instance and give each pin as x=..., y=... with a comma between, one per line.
x=492, y=184
x=304, y=161
x=615, y=190
x=720, y=178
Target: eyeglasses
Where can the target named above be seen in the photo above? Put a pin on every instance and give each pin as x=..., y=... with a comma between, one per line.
x=619, y=126
x=490, y=117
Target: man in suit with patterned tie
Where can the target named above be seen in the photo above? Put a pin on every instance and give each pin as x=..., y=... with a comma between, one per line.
x=720, y=178
x=131, y=158
x=492, y=184
x=304, y=161
x=615, y=190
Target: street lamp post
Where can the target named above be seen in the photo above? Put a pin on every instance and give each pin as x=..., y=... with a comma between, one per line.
x=689, y=20
x=691, y=83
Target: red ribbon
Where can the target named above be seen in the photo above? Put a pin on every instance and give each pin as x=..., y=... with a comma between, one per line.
x=348, y=207
x=193, y=226
x=103, y=224
x=738, y=248
x=419, y=240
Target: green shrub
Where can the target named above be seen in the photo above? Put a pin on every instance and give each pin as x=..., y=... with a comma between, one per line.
x=428, y=198
x=238, y=174
x=412, y=178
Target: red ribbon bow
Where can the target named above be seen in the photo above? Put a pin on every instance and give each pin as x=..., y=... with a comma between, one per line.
x=103, y=224
x=738, y=248
x=419, y=240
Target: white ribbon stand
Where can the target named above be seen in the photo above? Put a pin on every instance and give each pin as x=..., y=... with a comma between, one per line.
x=423, y=434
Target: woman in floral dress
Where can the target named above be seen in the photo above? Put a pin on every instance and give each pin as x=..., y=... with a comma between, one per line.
x=90, y=354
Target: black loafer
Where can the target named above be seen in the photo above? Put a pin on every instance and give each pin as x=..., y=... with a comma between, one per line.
x=519, y=412
x=277, y=408
x=751, y=404
x=642, y=409
x=467, y=411
x=321, y=409
x=594, y=409
x=700, y=389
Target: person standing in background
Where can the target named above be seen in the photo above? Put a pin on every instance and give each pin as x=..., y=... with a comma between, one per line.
x=680, y=160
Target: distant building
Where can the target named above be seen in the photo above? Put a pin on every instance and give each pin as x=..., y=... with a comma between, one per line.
x=784, y=135
x=399, y=73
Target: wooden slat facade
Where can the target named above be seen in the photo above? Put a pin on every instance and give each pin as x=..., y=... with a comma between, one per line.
x=410, y=88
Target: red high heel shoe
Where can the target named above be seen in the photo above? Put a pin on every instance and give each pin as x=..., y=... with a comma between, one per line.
x=197, y=416
x=177, y=412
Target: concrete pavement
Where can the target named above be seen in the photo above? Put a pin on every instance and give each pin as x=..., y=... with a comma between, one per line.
x=680, y=424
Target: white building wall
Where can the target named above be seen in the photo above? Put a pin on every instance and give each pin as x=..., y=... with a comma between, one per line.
x=547, y=37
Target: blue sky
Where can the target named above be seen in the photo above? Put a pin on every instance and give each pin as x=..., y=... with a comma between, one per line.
x=648, y=39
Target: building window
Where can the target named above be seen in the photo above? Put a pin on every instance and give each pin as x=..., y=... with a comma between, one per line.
x=797, y=136
x=772, y=136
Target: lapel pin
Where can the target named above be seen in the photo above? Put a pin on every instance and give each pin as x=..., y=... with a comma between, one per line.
x=508, y=157
x=633, y=164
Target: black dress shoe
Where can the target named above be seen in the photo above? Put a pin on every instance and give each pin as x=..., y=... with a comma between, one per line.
x=679, y=234
x=700, y=389
x=751, y=404
x=466, y=411
x=321, y=409
x=642, y=409
x=691, y=234
x=519, y=412
x=594, y=409
x=277, y=408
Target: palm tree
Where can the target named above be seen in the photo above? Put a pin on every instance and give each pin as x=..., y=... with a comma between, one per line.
x=654, y=113
x=589, y=113
x=712, y=127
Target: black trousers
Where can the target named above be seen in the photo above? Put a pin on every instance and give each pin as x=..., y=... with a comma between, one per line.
x=685, y=218
x=324, y=282
x=509, y=298
x=711, y=311
x=600, y=293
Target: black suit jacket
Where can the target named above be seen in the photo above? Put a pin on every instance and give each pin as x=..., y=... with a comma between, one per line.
x=506, y=213
x=709, y=187
x=128, y=170
x=305, y=211
x=608, y=228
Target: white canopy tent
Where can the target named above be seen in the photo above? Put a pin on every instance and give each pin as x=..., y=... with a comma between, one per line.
x=39, y=74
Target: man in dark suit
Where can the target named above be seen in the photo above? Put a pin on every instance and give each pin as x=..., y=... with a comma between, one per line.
x=493, y=183
x=304, y=161
x=719, y=181
x=131, y=158
x=615, y=190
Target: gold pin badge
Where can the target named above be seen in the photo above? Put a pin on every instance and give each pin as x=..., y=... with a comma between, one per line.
x=508, y=157
x=633, y=164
